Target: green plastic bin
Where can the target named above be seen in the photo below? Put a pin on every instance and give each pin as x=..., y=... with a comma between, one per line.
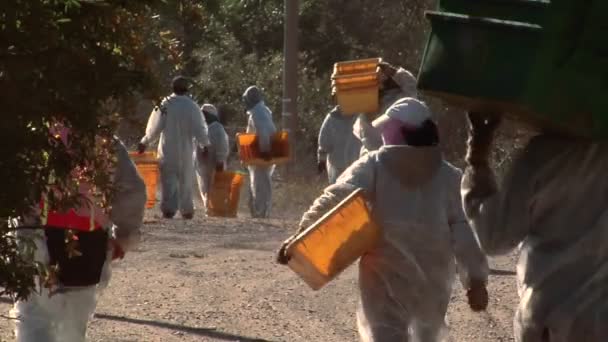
x=478, y=58
x=552, y=76
x=529, y=11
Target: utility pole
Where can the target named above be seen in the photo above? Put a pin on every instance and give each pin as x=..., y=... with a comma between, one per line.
x=290, y=76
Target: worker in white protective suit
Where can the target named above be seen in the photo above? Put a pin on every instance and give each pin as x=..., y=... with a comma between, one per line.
x=554, y=202
x=396, y=83
x=406, y=281
x=207, y=164
x=260, y=177
x=179, y=123
x=77, y=246
x=338, y=146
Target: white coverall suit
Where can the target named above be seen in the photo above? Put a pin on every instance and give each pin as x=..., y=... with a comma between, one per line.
x=406, y=281
x=338, y=146
x=64, y=315
x=554, y=201
x=260, y=177
x=179, y=123
x=218, y=152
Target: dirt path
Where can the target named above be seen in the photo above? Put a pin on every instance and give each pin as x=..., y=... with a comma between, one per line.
x=215, y=280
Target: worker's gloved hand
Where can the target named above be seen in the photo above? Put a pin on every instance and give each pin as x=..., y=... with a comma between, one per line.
x=387, y=69
x=481, y=128
x=117, y=251
x=321, y=167
x=282, y=257
x=477, y=295
x=141, y=148
x=219, y=167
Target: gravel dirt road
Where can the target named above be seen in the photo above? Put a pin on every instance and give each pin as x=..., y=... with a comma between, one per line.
x=215, y=280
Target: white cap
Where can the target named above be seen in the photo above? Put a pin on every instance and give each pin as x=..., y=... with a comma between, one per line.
x=412, y=112
x=209, y=108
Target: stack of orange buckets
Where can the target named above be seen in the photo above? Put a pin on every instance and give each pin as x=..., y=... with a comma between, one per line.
x=356, y=85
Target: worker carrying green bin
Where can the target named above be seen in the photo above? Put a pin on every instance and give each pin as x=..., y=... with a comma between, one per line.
x=546, y=68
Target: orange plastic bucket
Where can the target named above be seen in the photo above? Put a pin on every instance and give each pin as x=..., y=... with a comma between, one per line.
x=249, y=152
x=224, y=194
x=356, y=66
x=147, y=166
x=357, y=93
x=334, y=242
x=355, y=79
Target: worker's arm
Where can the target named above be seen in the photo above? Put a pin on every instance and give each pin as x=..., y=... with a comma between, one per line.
x=219, y=140
x=199, y=126
x=472, y=263
x=325, y=139
x=360, y=175
x=370, y=137
x=128, y=200
x=502, y=218
x=407, y=82
x=156, y=125
x=261, y=118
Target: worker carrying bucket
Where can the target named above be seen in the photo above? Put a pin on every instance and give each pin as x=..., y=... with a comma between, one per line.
x=405, y=280
x=179, y=124
x=77, y=245
x=213, y=160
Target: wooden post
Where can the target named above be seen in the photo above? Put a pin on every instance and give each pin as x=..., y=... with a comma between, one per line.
x=290, y=76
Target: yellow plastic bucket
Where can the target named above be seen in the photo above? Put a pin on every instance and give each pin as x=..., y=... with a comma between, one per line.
x=355, y=80
x=249, y=152
x=225, y=194
x=356, y=66
x=334, y=242
x=358, y=100
x=147, y=166
x=357, y=93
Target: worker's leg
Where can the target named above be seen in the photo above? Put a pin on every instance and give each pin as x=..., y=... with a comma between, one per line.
x=186, y=188
x=170, y=190
x=78, y=305
x=261, y=189
x=34, y=319
x=204, y=176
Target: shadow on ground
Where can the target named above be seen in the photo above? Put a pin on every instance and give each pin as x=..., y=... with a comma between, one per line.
x=212, y=333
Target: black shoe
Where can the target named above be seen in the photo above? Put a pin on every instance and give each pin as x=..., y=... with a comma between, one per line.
x=189, y=216
x=168, y=215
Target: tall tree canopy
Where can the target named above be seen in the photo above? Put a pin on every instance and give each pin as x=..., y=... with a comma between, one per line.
x=64, y=61
x=81, y=62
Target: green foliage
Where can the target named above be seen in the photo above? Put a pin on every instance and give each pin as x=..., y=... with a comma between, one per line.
x=69, y=61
